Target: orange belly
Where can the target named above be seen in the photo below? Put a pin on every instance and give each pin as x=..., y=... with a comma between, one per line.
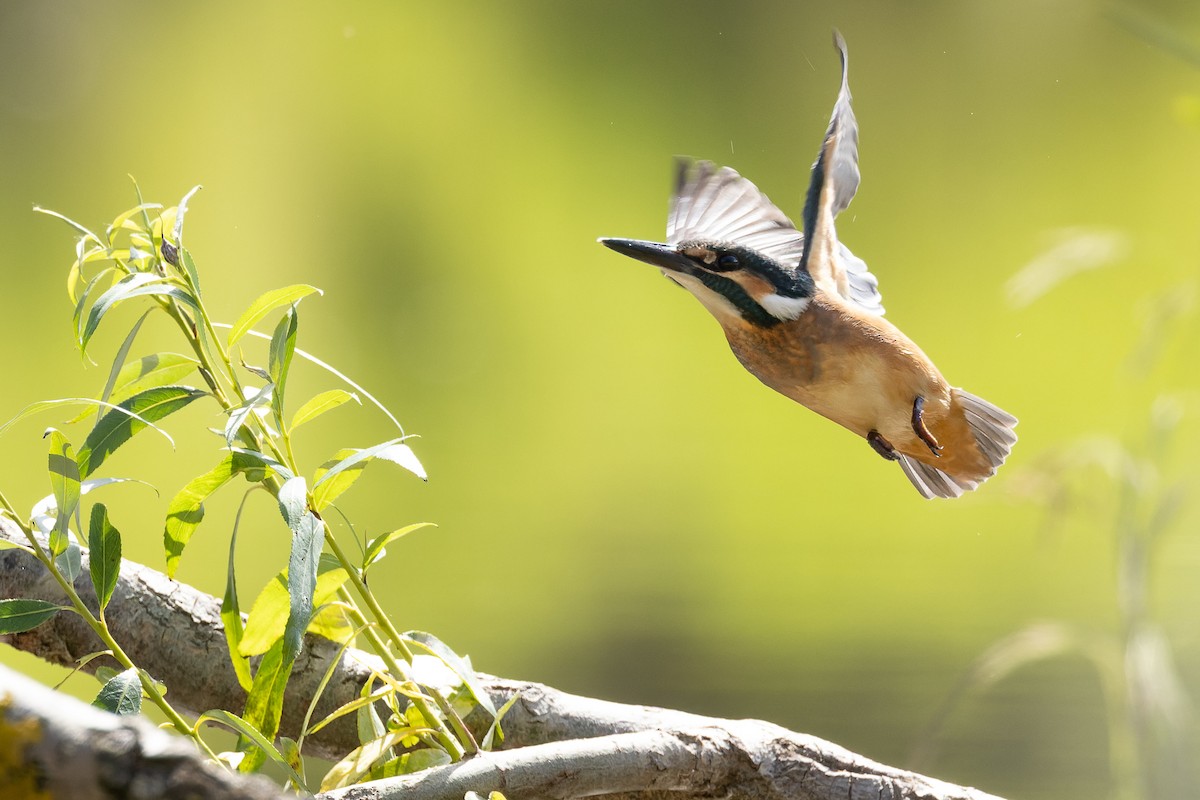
x=860, y=371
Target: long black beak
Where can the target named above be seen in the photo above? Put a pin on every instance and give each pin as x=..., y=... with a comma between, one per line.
x=660, y=255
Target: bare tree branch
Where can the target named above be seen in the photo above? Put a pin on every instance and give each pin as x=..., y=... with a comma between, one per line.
x=556, y=745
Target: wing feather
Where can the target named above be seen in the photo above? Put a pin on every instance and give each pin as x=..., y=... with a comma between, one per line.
x=835, y=179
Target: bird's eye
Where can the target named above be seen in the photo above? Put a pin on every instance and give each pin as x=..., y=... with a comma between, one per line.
x=728, y=262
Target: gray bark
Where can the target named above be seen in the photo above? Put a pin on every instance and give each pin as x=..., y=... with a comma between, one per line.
x=56, y=746
x=556, y=744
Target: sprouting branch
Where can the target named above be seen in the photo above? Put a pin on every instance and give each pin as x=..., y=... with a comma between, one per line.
x=556, y=745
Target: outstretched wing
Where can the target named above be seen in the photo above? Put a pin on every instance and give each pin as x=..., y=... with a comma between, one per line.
x=835, y=178
x=719, y=205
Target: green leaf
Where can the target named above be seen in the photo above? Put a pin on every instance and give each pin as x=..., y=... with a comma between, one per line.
x=264, y=704
x=391, y=450
x=115, y=428
x=118, y=224
x=70, y=562
x=64, y=482
x=101, y=282
x=186, y=510
x=18, y=616
x=307, y=540
x=461, y=666
x=283, y=347
x=325, y=401
x=309, y=357
x=265, y=304
x=375, y=549
x=146, y=372
x=121, y=695
x=104, y=544
x=271, y=670
x=495, y=734
x=138, y=284
x=361, y=760
x=264, y=459
x=352, y=706
x=248, y=730
x=45, y=405
x=86, y=233
x=241, y=415
x=122, y=354
x=293, y=501
x=324, y=492
x=180, y=213
x=268, y=615
x=403, y=455
x=189, y=267
x=231, y=612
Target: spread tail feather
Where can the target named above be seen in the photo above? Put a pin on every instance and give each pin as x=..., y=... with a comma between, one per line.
x=993, y=429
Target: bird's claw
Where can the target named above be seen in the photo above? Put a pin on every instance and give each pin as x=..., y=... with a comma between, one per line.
x=918, y=426
x=881, y=445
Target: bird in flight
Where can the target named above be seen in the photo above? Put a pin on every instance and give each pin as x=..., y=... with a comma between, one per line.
x=804, y=315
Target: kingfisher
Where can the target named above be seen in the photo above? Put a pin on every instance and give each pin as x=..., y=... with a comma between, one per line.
x=804, y=315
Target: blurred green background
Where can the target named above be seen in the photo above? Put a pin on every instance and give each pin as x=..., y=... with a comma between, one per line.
x=623, y=511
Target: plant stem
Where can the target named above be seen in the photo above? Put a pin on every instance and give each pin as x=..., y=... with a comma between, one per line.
x=101, y=629
x=452, y=745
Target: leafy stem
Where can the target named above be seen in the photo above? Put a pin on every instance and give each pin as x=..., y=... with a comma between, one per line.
x=100, y=627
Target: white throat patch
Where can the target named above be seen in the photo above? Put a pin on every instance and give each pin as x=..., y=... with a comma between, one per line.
x=784, y=308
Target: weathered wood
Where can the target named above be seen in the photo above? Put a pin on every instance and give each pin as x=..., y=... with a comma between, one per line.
x=556, y=744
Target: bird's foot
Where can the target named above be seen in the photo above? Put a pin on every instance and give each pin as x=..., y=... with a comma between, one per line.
x=918, y=426
x=881, y=445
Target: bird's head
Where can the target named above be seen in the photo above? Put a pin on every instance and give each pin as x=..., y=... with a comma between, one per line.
x=730, y=247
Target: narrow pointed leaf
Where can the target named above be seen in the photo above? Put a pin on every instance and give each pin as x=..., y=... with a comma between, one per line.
x=70, y=561
x=403, y=455
x=324, y=492
x=64, y=482
x=231, y=612
x=325, y=401
x=293, y=501
x=181, y=212
x=18, y=616
x=138, y=284
x=122, y=354
x=264, y=704
x=244, y=728
x=87, y=234
x=264, y=459
x=307, y=540
x=461, y=666
x=147, y=372
x=360, y=761
x=265, y=305
x=241, y=415
x=283, y=346
x=115, y=428
x=269, y=614
x=357, y=457
x=186, y=510
x=375, y=549
x=309, y=357
x=122, y=694
x=119, y=223
x=45, y=405
x=495, y=734
x=99, y=283
x=104, y=545
x=189, y=266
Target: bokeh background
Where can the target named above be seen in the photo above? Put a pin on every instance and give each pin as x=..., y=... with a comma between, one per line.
x=623, y=512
